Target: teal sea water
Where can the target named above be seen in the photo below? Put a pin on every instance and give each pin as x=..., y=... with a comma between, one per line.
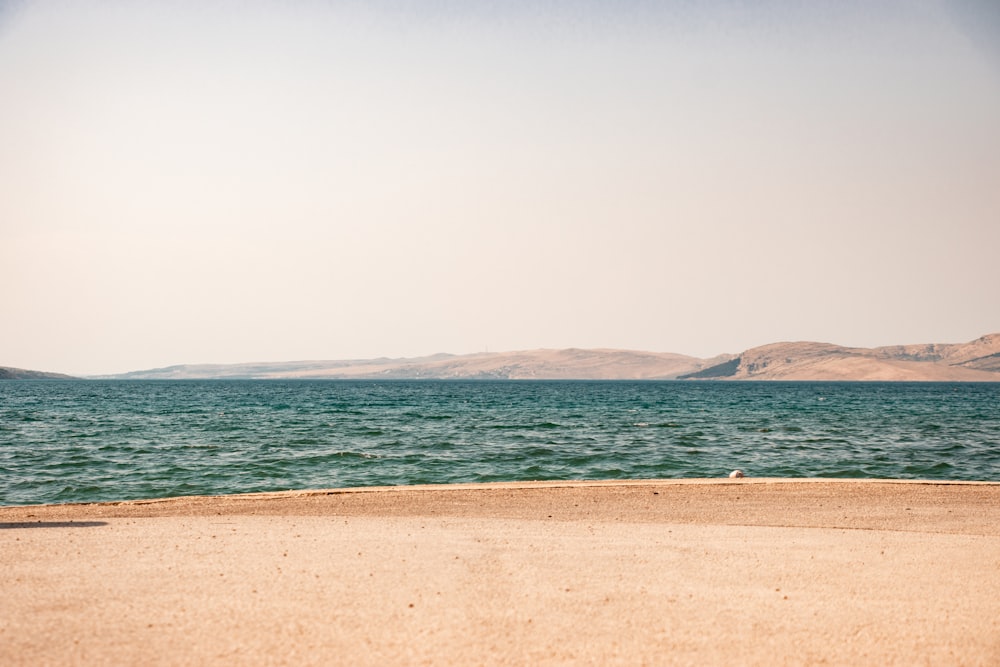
x=88, y=441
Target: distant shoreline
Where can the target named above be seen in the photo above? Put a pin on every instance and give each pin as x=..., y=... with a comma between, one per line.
x=8, y=373
x=975, y=361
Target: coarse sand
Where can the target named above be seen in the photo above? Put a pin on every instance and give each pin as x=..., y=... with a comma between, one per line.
x=736, y=572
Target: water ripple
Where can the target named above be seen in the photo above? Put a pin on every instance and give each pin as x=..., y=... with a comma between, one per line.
x=91, y=441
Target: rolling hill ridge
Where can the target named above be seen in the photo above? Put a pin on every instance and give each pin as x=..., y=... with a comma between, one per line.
x=978, y=360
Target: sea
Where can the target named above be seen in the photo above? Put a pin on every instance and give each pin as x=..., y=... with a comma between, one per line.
x=92, y=440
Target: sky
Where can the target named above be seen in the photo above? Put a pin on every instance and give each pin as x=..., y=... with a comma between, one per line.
x=234, y=181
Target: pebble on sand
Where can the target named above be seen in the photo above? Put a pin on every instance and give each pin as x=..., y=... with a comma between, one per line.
x=736, y=473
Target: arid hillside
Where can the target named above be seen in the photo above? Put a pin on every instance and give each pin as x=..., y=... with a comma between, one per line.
x=566, y=364
x=978, y=360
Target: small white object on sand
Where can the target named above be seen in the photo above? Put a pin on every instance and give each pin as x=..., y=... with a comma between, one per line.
x=736, y=473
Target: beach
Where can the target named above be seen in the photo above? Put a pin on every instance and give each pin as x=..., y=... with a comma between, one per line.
x=747, y=571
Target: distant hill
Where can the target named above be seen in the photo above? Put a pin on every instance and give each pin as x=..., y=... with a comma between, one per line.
x=570, y=364
x=8, y=373
x=978, y=360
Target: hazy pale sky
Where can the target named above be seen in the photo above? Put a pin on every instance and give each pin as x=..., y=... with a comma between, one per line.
x=186, y=182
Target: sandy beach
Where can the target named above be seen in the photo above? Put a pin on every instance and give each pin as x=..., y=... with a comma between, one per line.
x=653, y=572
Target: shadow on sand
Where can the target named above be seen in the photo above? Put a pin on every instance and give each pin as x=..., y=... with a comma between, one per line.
x=52, y=524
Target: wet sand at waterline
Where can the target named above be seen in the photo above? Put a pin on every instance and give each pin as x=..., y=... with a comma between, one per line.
x=742, y=571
